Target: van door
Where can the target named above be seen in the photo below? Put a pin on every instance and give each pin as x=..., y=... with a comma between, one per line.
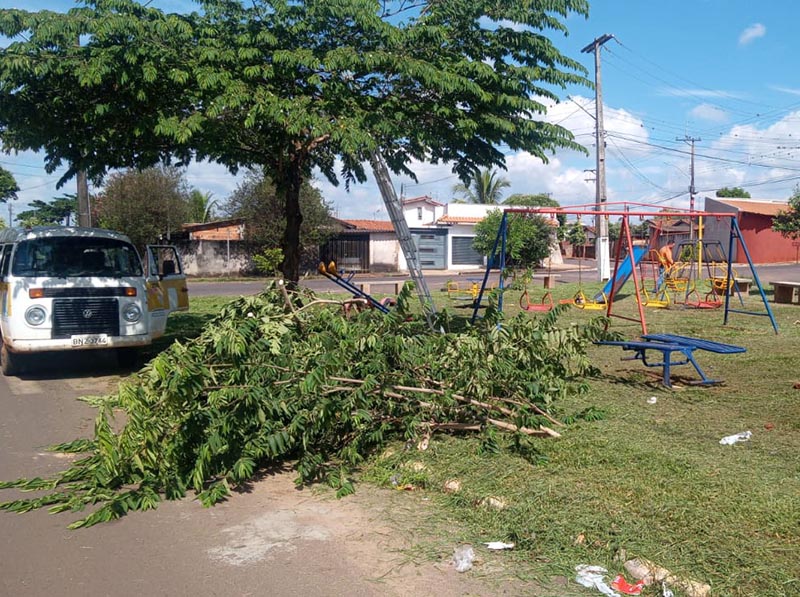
x=166, y=283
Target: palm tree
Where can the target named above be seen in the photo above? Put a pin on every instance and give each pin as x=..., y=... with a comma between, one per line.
x=485, y=187
x=201, y=206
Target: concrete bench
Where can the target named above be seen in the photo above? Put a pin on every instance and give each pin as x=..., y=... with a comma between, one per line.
x=366, y=287
x=743, y=284
x=785, y=291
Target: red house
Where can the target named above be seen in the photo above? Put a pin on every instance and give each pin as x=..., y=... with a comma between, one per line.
x=755, y=221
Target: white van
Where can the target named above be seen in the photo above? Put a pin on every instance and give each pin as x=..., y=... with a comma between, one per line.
x=68, y=288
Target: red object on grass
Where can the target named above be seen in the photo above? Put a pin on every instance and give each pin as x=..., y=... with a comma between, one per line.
x=623, y=586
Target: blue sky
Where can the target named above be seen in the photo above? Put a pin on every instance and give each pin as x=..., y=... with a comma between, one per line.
x=720, y=71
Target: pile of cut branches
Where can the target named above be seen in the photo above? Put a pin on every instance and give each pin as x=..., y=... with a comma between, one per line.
x=271, y=380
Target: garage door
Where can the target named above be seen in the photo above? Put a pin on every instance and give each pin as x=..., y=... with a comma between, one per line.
x=463, y=253
x=431, y=248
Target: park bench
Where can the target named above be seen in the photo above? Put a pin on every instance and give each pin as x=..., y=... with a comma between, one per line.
x=667, y=344
x=784, y=291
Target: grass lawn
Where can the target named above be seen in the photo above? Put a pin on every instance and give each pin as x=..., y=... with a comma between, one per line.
x=632, y=478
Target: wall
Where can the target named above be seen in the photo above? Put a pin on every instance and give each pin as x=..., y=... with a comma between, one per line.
x=224, y=233
x=210, y=258
x=765, y=245
x=383, y=252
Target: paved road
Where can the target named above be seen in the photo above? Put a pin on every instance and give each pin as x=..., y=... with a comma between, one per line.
x=272, y=540
x=437, y=280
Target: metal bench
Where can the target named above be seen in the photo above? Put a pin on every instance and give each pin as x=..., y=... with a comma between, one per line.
x=669, y=343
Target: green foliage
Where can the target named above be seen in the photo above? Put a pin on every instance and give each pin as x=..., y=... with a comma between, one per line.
x=55, y=213
x=147, y=205
x=788, y=222
x=263, y=209
x=268, y=261
x=733, y=192
x=528, y=237
x=201, y=206
x=288, y=86
x=484, y=187
x=540, y=200
x=262, y=385
x=576, y=234
x=8, y=186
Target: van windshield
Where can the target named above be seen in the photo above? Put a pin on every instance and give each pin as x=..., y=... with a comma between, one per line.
x=75, y=256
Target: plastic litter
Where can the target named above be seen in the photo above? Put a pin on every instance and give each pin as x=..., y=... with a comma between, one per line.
x=592, y=577
x=463, y=556
x=623, y=586
x=498, y=545
x=729, y=440
x=652, y=400
x=653, y=573
x=666, y=591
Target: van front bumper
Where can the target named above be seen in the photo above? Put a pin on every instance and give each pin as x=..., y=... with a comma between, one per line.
x=89, y=342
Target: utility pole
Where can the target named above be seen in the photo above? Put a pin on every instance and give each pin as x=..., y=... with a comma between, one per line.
x=601, y=225
x=691, y=141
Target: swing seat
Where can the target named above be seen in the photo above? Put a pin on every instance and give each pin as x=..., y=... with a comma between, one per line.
x=546, y=304
x=580, y=301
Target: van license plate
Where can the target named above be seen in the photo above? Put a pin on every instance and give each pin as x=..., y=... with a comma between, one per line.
x=90, y=340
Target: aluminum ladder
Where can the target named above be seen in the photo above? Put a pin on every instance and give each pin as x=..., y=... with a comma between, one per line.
x=395, y=210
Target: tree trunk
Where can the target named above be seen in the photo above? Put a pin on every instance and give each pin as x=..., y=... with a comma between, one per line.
x=294, y=218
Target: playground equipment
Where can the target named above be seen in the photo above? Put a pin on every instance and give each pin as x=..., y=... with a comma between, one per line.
x=333, y=275
x=497, y=258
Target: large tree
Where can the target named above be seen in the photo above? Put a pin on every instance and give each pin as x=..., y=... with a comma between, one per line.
x=147, y=205
x=289, y=86
x=528, y=237
x=257, y=201
x=788, y=222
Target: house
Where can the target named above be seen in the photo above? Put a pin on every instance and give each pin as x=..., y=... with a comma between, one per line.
x=443, y=234
x=213, y=248
x=362, y=246
x=754, y=218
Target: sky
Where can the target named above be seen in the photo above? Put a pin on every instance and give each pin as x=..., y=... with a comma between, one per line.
x=717, y=71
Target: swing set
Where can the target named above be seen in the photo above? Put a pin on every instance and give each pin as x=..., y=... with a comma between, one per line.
x=721, y=284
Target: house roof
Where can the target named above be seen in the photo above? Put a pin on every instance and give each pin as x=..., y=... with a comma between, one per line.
x=447, y=219
x=368, y=225
x=423, y=199
x=764, y=208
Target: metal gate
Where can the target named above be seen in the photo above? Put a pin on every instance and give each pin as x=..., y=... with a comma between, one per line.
x=464, y=253
x=349, y=251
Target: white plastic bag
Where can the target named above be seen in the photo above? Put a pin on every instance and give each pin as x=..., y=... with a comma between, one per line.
x=463, y=557
x=729, y=440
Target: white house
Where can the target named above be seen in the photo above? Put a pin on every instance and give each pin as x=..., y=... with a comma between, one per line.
x=444, y=233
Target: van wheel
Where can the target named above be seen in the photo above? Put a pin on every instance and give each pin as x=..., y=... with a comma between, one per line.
x=9, y=362
x=128, y=358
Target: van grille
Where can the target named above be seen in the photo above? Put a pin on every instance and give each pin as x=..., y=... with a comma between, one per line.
x=85, y=316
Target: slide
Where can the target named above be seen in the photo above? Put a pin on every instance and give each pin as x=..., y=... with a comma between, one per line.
x=624, y=272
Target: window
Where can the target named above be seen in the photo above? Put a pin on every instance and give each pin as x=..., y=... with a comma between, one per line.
x=419, y=213
x=75, y=256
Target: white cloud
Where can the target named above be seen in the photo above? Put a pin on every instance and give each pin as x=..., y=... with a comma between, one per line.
x=752, y=33
x=709, y=112
x=699, y=93
x=789, y=90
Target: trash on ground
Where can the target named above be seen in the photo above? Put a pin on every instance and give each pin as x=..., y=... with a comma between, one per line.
x=463, y=556
x=592, y=577
x=623, y=586
x=493, y=502
x=652, y=400
x=452, y=486
x=498, y=545
x=649, y=572
x=769, y=426
x=729, y=440
x=665, y=590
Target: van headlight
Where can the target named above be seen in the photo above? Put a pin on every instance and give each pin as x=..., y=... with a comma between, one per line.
x=131, y=313
x=35, y=315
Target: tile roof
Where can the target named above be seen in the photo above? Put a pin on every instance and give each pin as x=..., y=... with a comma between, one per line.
x=764, y=208
x=475, y=219
x=369, y=225
x=423, y=199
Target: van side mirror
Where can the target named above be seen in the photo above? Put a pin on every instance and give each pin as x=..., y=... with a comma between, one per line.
x=168, y=268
